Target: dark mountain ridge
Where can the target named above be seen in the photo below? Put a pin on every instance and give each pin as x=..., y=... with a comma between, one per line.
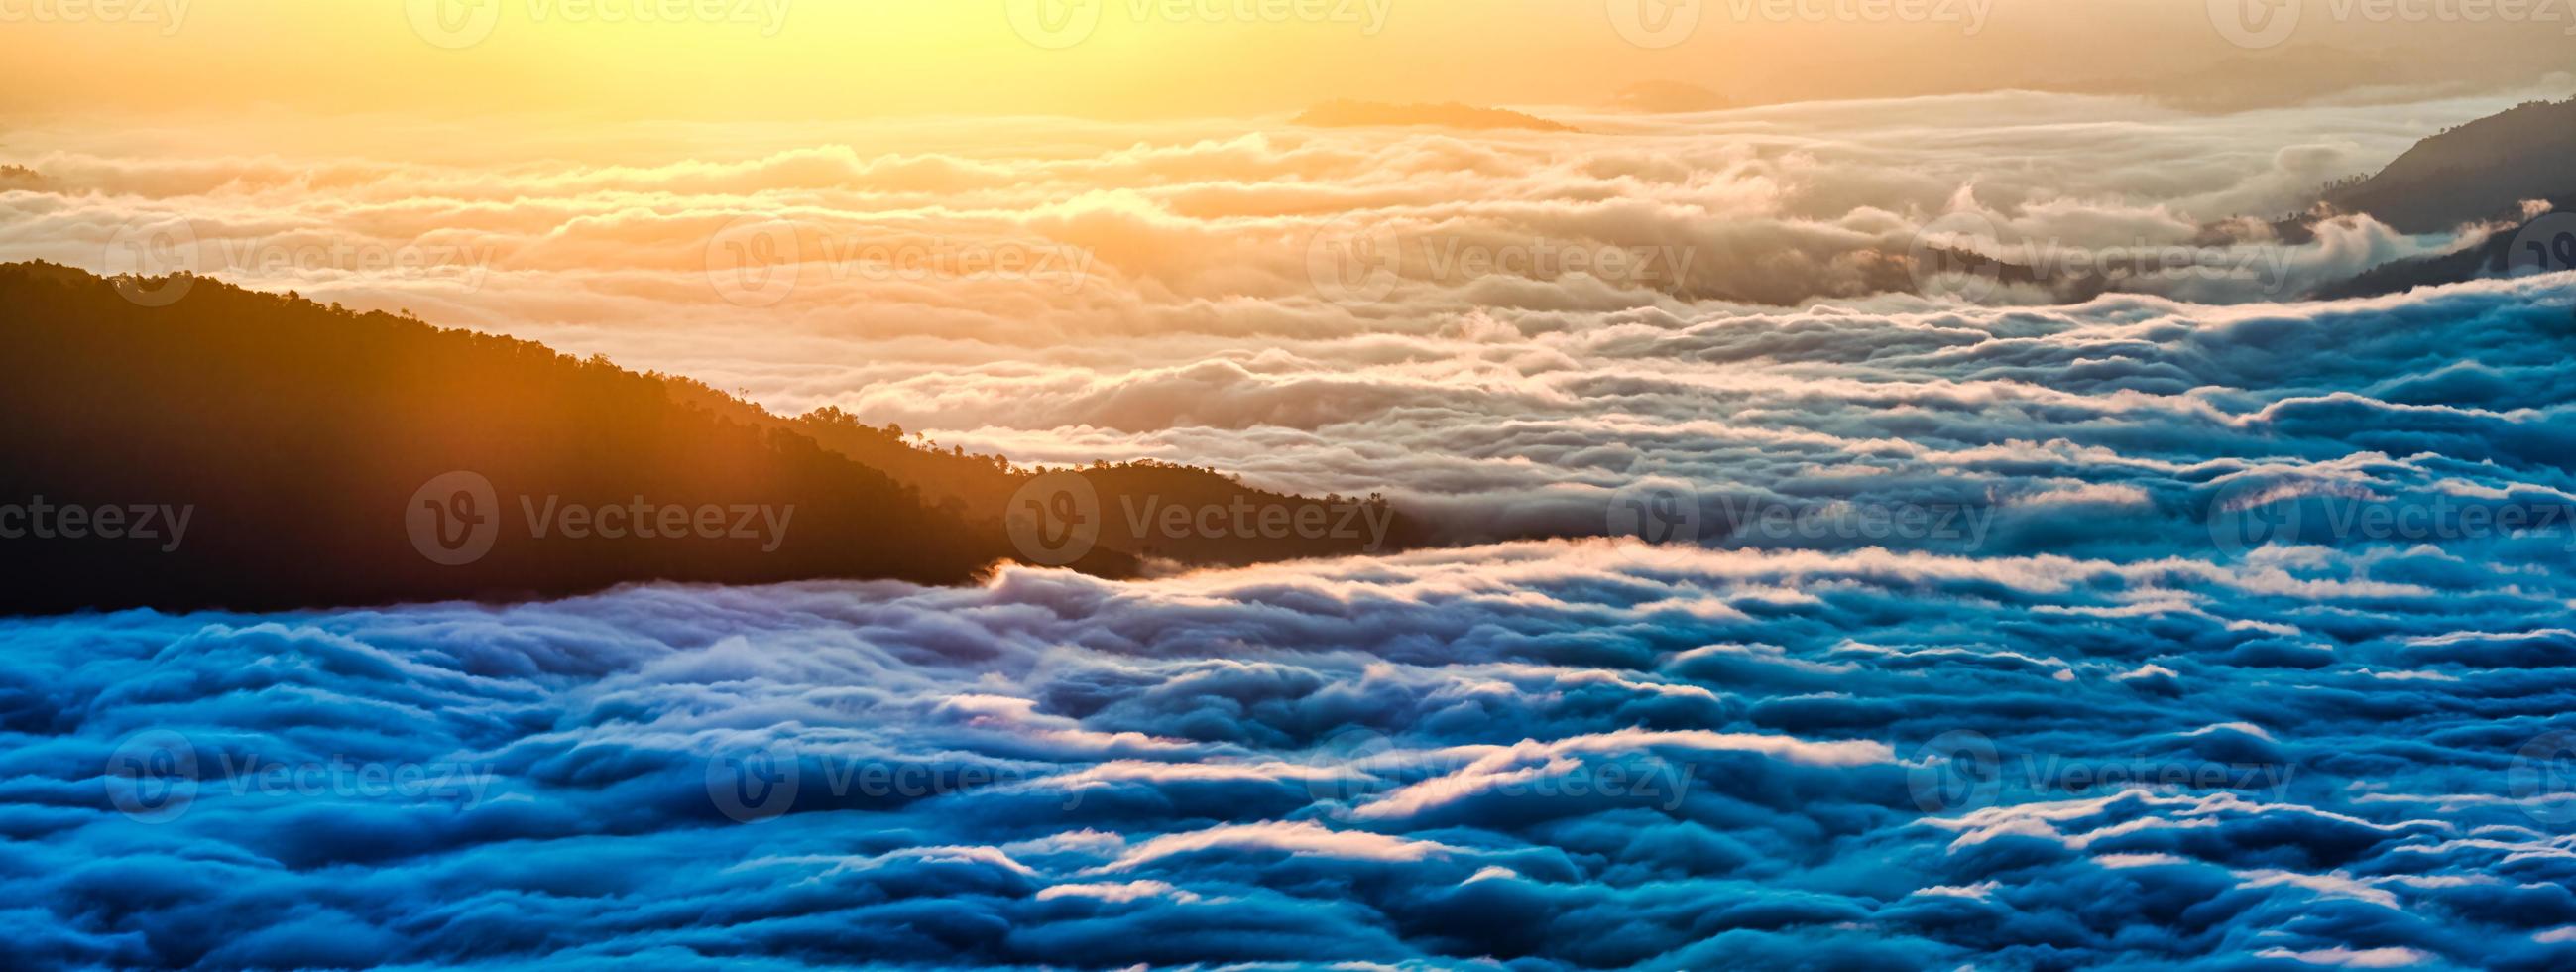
x=2478, y=172
x=323, y=457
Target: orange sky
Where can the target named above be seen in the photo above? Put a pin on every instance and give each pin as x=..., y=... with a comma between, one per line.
x=810, y=59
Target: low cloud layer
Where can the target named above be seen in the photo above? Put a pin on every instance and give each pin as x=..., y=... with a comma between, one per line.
x=1551, y=755
x=2247, y=648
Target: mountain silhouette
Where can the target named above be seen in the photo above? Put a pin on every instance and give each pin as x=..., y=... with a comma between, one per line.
x=2479, y=172
x=254, y=451
x=2501, y=171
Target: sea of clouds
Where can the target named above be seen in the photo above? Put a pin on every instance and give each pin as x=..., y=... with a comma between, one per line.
x=806, y=263
x=2185, y=625
x=2247, y=645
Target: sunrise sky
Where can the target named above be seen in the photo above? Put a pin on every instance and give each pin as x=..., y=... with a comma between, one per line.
x=770, y=59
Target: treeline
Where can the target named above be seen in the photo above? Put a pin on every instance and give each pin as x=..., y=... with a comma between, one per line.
x=297, y=438
x=320, y=456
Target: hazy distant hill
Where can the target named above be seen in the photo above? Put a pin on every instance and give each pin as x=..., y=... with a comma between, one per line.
x=299, y=441
x=1361, y=114
x=2478, y=172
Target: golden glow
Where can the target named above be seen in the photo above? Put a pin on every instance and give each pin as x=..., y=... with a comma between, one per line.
x=810, y=59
